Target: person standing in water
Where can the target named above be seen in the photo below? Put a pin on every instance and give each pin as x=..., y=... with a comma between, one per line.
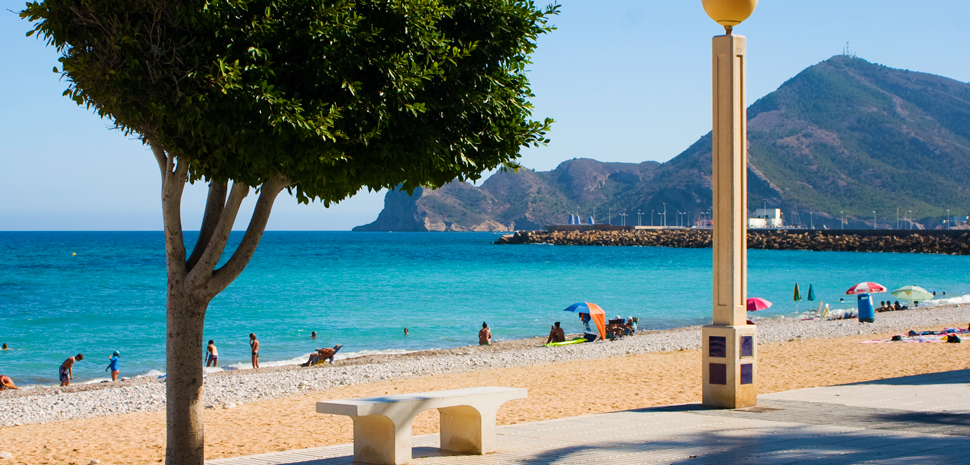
x=484, y=335
x=313, y=335
x=213, y=358
x=113, y=365
x=66, y=371
x=254, y=344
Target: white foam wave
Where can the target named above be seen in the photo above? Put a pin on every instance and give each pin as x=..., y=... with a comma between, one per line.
x=963, y=299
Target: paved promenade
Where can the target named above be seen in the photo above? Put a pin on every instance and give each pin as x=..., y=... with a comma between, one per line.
x=913, y=420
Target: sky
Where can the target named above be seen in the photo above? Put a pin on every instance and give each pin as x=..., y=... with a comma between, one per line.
x=625, y=80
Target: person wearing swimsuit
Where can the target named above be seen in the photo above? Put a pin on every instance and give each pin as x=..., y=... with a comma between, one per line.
x=66, y=371
x=113, y=365
x=213, y=358
x=255, y=346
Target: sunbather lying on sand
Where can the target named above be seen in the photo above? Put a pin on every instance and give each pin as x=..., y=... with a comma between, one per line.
x=322, y=355
x=6, y=383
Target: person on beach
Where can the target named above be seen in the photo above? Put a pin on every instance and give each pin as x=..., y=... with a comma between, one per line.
x=631, y=325
x=405, y=331
x=322, y=355
x=556, y=334
x=254, y=344
x=484, y=335
x=213, y=358
x=66, y=372
x=6, y=383
x=113, y=365
x=896, y=306
x=587, y=332
x=5, y=346
x=313, y=335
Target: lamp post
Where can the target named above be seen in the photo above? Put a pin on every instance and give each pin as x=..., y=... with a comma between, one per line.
x=947, y=218
x=611, y=216
x=664, y=223
x=639, y=215
x=841, y=212
x=729, y=345
x=622, y=218
x=651, y=218
x=873, y=219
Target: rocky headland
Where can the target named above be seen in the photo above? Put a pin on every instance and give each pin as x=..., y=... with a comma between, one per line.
x=935, y=242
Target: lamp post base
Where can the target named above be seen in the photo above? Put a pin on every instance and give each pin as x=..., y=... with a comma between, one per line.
x=729, y=355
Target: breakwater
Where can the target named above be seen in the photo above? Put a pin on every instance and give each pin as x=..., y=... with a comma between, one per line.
x=934, y=242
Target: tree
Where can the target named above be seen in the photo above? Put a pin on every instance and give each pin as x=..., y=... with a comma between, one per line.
x=321, y=98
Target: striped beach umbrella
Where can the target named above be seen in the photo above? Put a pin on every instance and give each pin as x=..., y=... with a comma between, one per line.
x=796, y=296
x=866, y=288
x=597, y=314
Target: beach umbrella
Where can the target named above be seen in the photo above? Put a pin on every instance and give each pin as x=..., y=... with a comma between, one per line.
x=796, y=296
x=866, y=288
x=757, y=303
x=912, y=293
x=811, y=293
x=595, y=313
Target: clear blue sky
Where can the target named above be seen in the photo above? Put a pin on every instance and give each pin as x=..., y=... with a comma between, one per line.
x=626, y=80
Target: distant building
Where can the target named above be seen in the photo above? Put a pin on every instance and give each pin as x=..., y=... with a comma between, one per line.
x=766, y=218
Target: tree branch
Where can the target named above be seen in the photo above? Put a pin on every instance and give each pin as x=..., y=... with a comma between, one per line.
x=214, y=206
x=200, y=273
x=160, y=158
x=228, y=273
x=173, y=184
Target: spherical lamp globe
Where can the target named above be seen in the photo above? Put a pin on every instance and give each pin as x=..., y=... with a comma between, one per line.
x=729, y=13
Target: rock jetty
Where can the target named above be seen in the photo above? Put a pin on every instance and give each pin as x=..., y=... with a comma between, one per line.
x=885, y=241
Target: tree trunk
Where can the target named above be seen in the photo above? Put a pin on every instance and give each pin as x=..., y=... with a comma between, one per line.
x=192, y=284
x=185, y=442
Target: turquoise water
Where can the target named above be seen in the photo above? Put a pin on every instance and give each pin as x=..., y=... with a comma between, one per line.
x=362, y=289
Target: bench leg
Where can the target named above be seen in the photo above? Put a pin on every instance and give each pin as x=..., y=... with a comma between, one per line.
x=465, y=429
x=377, y=440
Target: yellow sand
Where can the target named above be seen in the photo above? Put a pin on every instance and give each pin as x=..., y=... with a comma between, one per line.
x=606, y=385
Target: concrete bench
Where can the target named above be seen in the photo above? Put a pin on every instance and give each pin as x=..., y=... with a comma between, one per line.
x=382, y=425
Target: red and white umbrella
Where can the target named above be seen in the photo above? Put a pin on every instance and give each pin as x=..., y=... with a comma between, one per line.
x=866, y=288
x=757, y=303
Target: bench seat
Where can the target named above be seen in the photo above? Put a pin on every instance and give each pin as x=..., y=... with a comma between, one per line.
x=382, y=425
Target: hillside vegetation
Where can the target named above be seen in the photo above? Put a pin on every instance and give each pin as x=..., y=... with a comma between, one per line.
x=843, y=135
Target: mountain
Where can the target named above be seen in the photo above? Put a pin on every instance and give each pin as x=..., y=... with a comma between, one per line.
x=844, y=135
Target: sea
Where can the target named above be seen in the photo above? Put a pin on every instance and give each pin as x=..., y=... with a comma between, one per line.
x=63, y=293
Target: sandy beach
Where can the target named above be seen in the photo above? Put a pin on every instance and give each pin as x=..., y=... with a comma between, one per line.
x=252, y=412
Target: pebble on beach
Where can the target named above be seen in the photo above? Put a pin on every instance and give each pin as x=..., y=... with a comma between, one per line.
x=231, y=388
x=6, y=455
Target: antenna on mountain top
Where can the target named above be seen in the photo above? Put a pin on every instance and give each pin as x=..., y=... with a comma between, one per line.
x=846, y=52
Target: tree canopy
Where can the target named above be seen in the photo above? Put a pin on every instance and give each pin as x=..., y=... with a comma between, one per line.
x=334, y=95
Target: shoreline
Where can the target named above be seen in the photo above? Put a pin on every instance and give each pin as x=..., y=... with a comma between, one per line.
x=228, y=389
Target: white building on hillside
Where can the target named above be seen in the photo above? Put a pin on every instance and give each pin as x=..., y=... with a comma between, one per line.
x=766, y=218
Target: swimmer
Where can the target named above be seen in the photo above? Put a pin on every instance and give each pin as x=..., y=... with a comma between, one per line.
x=313, y=335
x=405, y=331
x=5, y=346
